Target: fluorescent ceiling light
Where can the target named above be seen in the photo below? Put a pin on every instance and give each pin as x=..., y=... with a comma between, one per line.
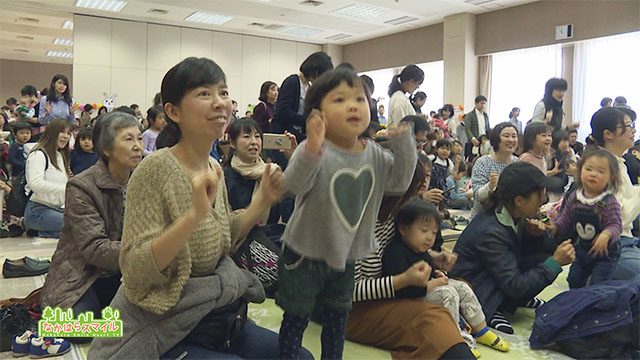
x=478, y=2
x=209, y=18
x=107, y=5
x=338, y=37
x=68, y=24
x=401, y=20
x=62, y=54
x=360, y=11
x=300, y=31
x=61, y=41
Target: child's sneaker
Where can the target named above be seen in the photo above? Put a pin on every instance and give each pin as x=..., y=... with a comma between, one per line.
x=20, y=344
x=489, y=338
x=46, y=347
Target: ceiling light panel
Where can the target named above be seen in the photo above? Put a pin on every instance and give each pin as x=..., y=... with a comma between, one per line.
x=209, y=18
x=106, y=5
x=61, y=41
x=338, y=37
x=478, y=2
x=62, y=54
x=359, y=11
x=401, y=20
x=68, y=24
x=300, y=31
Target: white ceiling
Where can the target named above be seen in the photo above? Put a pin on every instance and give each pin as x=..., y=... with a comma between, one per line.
x=52, y=13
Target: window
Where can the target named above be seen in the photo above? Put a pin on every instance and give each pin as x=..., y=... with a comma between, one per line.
x=605, y=67
x=518, y=78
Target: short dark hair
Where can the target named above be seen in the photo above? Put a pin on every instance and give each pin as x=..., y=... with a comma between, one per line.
x=153, y=112
x=615, y=181
x=29, y=90
x=84, y=133
x=419, y=123
x=606, y=119
x=264, y=90
x=416, y=209
x=605, y=101
x=329, y=81
x=450, y=108
x=494, y=134
x=188, y=74
x=88, y=107
x=480, y=98
x=21, y=125
x=620, y=100
x=571, y=130
x=555, y=84
x=531, y=132
x=315, y=65
x=11, y=101
x=443, y=143
x=243, y=126
x=368, y=82
x=134, y=106
x=125, y=109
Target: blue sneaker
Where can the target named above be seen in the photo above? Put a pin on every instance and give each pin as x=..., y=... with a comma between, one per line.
x=20, y=344
x=46, y=347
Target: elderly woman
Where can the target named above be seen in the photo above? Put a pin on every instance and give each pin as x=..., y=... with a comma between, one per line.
x=182, y=296
x=84, y=273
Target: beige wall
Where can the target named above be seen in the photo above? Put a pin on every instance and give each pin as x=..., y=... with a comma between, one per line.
x=517, y=27
x=397, y=50
x=14, y=74
x=534, y=24
x=130, y=59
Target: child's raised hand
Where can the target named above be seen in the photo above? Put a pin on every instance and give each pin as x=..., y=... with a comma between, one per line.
x=204, y=188
x=600, y=245
x=316, y=129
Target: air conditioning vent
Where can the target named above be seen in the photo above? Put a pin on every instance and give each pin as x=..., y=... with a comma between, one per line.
x=158, y=11
x=338, y=37
x=401, y=20
x=311, y=3
x=274, y=27
x=24, y=37
x=21, y=50
x=28, y=20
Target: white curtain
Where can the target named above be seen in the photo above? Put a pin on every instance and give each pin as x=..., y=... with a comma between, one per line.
x=604, y=67
x=433, y=84
x=518, y=78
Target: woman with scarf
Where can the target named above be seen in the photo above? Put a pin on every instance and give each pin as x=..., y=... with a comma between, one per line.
x=549, y=109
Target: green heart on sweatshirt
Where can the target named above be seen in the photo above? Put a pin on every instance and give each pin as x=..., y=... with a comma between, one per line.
x=350, y=193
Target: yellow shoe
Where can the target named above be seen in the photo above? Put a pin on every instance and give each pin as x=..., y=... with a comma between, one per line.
x=492, y=340
x=475, y=353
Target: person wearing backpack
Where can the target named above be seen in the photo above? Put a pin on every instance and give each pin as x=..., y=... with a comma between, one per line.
x=47, y=173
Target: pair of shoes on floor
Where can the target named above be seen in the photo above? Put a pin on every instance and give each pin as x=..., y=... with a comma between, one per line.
x=38, y=347
x=27, y=266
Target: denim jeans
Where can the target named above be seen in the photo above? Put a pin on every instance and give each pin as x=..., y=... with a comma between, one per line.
x=628, y=267
x=587, y=269
x=96, y=298
x=46, y=220
x=256, y=343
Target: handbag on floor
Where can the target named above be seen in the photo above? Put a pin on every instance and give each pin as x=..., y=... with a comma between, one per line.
x=259, y=255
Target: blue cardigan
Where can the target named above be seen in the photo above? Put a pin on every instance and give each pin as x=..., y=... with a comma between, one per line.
x=286, y=115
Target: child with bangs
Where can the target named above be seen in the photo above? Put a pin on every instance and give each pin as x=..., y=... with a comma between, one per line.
x=345, y=175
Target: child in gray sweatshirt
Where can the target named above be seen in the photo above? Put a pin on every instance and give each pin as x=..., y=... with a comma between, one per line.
x=339, y=180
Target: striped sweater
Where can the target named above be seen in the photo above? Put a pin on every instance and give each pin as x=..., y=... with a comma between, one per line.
x=369, y=282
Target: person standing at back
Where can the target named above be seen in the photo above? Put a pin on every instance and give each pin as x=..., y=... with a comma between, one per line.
x=408, y=81
x=289, y=114
x=549, y=109
x=476, y=123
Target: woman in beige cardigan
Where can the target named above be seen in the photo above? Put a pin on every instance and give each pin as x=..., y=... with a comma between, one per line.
x=179, y=231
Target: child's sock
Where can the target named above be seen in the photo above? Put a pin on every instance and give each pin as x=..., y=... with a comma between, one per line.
x=290, y=337
x=535, y=303
x=499, y=322
x=489, y=338
x=334, y=327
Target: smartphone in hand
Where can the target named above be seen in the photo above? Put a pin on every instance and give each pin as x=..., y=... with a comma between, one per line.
x=276, y=142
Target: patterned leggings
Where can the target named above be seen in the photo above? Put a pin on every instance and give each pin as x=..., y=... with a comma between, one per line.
x=457, y=297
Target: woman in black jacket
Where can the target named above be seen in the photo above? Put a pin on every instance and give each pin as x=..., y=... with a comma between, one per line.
x=506, y=257
x=289, y=113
